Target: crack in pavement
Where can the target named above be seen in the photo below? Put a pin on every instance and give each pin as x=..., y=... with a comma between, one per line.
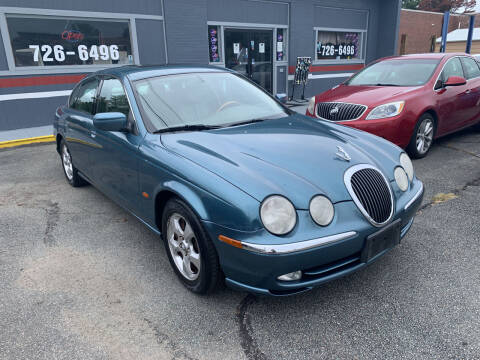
x=53, y=215
x=249, y=344
x=450, y=146
x=163, y=339
x=457, y=192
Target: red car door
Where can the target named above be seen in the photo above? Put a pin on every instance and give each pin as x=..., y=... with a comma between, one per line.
x=472, y=74
x=452, y=101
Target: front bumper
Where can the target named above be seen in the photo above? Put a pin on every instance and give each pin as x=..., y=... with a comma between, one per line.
x=256, y=269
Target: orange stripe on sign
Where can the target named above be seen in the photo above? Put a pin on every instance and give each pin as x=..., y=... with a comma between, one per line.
x=40, y=80
x=326, y=68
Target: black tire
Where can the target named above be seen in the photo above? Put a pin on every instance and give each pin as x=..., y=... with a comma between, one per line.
x=412, y=147
x=71, y=175
x=209, y=276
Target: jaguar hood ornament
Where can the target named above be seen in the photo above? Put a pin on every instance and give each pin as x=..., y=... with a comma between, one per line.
x=342, y=154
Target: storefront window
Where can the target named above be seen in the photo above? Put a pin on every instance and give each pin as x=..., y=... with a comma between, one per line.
x=336, y=45
x=281, y=48
x=50, y=41
x=214, y=44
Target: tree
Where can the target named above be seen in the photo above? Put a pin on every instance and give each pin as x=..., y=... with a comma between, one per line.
x=410, y=4
x=464, y=6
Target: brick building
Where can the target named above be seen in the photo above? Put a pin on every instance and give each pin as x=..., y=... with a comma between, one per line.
x=419, y=29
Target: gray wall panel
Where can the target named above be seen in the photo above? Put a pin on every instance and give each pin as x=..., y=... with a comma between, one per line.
x=248, y=11
x=389, y=19
x=150, y=7
x=340, y=18
x=151, y=42
x=186, y=28
x=3, y=56
x=281, y=80
x=19, y=114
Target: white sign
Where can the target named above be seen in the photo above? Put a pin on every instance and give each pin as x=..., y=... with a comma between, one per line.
x=261, y=48
x=279, y=46
x=236, y=48
x=47, y=53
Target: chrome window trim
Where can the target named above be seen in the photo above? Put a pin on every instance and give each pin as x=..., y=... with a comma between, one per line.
x=339, y=102
x=278, y=249
x=415, y=197
x=347, y=180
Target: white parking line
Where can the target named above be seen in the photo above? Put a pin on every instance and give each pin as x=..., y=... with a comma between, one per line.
x=35, y=95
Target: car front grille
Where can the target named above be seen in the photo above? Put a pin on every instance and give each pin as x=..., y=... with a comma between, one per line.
x=339, y=111
x=371, y=193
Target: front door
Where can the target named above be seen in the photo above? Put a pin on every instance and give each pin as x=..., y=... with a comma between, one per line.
x=115, y=159
x=249, y=52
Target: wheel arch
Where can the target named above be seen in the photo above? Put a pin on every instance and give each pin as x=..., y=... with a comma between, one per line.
x=59, y=139
x=177, y=190
x=434, y=114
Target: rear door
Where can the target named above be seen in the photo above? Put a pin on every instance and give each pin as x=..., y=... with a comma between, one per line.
x=451, y=101
x=472, y=74
x=80, y=124
x=115, y=158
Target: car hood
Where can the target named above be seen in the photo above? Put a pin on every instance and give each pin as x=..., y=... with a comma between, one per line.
x=293, y=156
x=366, y=95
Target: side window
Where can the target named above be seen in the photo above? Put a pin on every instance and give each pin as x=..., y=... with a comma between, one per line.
x=452, y=68
x=84, y=97
x=112, y=97
x=74, y=95
x=471, y=68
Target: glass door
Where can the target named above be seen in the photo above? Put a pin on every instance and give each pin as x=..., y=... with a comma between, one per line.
x=249, y=52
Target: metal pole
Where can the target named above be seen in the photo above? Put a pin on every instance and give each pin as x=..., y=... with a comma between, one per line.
x=446, y=19
x=470, y=34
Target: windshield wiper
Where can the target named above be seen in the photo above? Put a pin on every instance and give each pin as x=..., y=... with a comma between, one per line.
x=381, y=84
x=197, y=127
x=246, y=122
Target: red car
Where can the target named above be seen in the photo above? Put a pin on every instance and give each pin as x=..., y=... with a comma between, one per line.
x=410, y=100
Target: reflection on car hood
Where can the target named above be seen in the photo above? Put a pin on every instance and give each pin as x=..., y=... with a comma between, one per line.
x=293, y=156
x=366, y=95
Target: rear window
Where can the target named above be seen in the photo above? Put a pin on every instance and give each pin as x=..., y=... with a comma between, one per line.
x=396, y=72
x=471, y=68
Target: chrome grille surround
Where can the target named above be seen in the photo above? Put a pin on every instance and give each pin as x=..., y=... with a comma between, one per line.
x=346, y=111
x=371, y=192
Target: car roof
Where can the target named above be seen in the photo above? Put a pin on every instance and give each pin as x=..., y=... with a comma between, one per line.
x=427, y=56
x=137, y=72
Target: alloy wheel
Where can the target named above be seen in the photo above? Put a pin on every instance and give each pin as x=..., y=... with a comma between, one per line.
x=424, y=136
x=183, y=246
x=67, y=162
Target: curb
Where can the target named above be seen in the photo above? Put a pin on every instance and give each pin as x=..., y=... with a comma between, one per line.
x=32, y=140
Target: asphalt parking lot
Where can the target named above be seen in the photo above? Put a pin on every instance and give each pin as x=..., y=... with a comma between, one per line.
x=82, y=279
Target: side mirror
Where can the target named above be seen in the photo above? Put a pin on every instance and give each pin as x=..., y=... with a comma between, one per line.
x=282, y=98
x=110, y=121
x=455, y=81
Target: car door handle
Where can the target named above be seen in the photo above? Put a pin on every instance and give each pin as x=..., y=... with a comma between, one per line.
x=93, y=134
x=468, y=91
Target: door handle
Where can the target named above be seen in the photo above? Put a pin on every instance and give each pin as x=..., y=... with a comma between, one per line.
x=93, y=134
x=468, y=91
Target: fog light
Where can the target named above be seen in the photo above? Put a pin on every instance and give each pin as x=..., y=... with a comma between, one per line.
x=296, y=275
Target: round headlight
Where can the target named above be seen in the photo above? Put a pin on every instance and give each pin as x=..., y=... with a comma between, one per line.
x=401, y=178
x=278, y=215
x=321, y=210
x=407, y=165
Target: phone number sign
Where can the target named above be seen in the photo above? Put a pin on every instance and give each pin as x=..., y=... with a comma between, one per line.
x=332, y=51
x=49, y=53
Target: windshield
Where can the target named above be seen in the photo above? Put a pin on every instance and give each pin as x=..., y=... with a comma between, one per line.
x=396, y=72
x=206, y=99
